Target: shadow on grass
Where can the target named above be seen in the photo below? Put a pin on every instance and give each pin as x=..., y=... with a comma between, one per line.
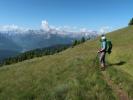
x=117, y=64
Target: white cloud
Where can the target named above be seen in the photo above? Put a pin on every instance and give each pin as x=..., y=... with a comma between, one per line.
x=66, y=29
x=72, y=31
x=63, y=28
x=105, y=29
x=49, y=29
x=85, y=30
x=45, y=25
x=8, y=27
x=12, y=27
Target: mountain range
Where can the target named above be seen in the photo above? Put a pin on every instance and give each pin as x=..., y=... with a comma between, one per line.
x=13, y=42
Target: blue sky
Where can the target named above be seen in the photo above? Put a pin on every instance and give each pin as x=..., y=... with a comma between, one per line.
x=92, y=14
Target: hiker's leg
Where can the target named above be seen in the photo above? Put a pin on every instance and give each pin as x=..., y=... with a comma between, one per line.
x=104, y=55
x=102, y=59
x=99, y=56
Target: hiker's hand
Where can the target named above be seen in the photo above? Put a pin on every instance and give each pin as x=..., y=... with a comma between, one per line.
x=98, y=51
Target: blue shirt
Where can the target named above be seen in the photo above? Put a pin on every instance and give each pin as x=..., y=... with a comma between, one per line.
x=103, y=45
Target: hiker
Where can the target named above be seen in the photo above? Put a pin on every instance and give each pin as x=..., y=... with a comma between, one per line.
x=102, y=52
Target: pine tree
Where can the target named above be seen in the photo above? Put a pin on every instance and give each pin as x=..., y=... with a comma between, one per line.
x=82, y=40
x=75, y=42
x=131, y=22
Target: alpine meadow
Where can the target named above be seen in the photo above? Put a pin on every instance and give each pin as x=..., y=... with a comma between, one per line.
x=72, y=74
x=66, y=50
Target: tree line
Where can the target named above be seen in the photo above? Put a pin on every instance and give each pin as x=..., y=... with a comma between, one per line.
x=34, y=53
x=40, y=52
x=77, y=42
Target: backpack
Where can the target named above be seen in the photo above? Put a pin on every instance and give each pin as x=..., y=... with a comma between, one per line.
x=109, y=47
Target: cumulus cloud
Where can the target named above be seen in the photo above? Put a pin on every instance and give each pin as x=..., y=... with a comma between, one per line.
x=63, y=28
x=12, y=27
x=66, y=30
x=105, y=29
x=49, y=29
x=45, y=25
x=8, y=27
x=85, y=30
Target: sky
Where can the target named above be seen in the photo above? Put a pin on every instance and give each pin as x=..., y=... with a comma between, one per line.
x=89, y=14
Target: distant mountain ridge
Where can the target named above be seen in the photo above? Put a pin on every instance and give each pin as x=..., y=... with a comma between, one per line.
x=21, y=41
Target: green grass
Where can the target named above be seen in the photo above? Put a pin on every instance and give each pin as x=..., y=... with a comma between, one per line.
x=123, y=49
x=122, y=79
x=71, y=74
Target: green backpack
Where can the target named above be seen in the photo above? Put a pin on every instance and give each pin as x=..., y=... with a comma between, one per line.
x=109, y=47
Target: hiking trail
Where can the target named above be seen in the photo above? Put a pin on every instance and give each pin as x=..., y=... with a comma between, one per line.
x=120, y=93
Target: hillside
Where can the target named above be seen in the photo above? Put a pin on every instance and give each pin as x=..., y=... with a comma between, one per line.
x=72, y=74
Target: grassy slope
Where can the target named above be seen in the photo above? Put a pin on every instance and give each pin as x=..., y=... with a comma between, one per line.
x=123, y=49
x=121, y=59
x=72, y=74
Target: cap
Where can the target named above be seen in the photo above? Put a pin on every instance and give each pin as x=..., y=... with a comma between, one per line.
x=103, y=37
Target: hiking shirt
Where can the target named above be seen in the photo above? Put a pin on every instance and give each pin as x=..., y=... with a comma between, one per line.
x=103, y=45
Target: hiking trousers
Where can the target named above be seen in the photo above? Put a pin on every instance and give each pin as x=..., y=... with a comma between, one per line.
x=102, y=57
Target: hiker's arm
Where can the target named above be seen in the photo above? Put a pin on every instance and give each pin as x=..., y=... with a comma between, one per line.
x=103, y=48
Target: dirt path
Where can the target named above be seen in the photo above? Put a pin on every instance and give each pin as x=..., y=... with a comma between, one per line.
x=122, y=95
